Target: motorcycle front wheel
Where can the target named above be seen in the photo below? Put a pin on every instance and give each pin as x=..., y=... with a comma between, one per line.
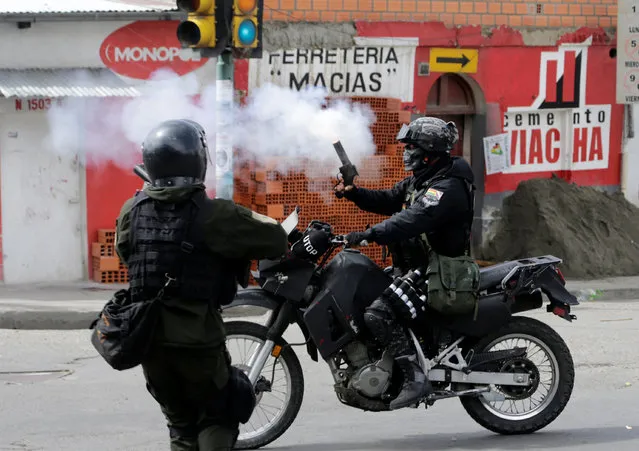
x=550, y=368
x=280, y=388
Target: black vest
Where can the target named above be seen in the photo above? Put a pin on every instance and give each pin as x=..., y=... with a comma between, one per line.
x=168, y=239
x=413, y=252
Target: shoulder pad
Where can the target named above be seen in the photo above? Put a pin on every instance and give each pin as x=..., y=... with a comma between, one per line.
x=140, y=196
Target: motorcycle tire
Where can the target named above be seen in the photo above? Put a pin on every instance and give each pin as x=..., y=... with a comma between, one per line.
x=288, y=358
x=525, y=326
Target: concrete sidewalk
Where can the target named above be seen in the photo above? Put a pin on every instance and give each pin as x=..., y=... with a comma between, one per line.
x=74, y=306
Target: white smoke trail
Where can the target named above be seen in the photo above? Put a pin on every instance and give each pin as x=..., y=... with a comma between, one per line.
x=275, y=122
x=294, y=125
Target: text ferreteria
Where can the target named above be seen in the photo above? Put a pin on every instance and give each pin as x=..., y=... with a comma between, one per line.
x=353, y=55
x=340, y=73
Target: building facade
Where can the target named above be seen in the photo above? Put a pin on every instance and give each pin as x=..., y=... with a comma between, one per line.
x=64, y=175
x=540, y=73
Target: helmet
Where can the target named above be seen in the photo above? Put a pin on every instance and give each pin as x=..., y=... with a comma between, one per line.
x=425, y=137
x=175, y=153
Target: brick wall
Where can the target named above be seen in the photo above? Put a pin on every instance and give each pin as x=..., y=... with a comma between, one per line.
x=543, y=13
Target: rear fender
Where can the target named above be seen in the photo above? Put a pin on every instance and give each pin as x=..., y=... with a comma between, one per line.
x=257, y=297
x=547, y=281
x=551, y=284
x=560, y=299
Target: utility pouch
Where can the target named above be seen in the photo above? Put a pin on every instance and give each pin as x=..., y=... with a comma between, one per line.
x=453, y=284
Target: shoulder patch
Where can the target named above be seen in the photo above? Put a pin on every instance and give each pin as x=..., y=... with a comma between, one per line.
x=432, y=197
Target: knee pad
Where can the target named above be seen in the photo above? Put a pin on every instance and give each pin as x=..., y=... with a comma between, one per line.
x=379, y=320
x=381, y=307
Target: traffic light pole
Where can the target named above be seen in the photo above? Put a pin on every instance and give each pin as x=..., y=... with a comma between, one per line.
x=223, y=145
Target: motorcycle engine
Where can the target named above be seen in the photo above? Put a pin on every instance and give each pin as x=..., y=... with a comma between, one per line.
x=371, y=379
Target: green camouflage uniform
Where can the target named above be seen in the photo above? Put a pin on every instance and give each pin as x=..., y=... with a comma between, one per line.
x=188, y=362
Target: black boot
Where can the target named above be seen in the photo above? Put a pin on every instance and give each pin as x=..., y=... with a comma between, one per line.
x=416, y=384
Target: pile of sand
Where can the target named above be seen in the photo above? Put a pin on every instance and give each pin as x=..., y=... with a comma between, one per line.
x=595, y=233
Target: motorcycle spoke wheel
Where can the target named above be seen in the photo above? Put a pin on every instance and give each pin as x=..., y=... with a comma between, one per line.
x=543, y=374
x=270, y=404
x=550, y=367
x=276, y=409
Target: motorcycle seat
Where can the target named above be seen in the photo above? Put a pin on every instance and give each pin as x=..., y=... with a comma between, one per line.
x=491, y=276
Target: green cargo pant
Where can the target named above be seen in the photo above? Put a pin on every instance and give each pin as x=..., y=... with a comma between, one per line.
x=190, y=388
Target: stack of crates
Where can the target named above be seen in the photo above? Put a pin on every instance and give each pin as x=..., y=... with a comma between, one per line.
x=107, y=267
x=264, y=189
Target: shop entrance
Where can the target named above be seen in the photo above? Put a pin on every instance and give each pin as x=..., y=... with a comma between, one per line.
x=451, y=99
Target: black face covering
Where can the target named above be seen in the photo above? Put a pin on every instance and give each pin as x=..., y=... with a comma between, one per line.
x=414, y=158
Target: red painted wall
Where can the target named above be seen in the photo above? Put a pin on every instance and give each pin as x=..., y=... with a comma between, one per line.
x=509, y=76
x=108, y=187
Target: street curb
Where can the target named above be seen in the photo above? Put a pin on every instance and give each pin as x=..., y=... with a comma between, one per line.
x=77, y=320
x=608, y=294
x=81, y=319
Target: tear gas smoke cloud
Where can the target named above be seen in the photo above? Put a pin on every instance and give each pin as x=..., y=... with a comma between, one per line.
x=275, y=122
x=280, y=122
x=112, y=129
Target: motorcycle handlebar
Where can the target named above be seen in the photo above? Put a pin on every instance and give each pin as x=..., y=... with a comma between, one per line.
x=341, y=240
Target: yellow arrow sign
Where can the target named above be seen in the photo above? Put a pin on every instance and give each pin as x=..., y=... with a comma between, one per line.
x=453, y=60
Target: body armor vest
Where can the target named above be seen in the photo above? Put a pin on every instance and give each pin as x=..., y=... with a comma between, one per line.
x=412, y=253
x=168, y=241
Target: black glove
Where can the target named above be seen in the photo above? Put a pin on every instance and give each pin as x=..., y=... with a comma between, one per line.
x=354, y=238
x=294, y=236
x=313, y=244
x=341, y=191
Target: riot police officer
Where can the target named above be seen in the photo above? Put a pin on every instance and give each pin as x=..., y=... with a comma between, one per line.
x=171, y=229
x=431, y=209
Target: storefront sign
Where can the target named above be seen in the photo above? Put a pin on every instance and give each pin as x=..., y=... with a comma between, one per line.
x=375, y=67
x=140, y=48
x=560, y=131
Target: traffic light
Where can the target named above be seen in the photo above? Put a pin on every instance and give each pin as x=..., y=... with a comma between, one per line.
x=199, y=30
x=247, y=23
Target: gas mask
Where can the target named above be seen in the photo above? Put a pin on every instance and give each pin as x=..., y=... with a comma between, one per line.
x=414, y=158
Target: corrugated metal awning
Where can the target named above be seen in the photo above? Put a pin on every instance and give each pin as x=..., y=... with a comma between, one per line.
x=63, y=83
x=83, y=6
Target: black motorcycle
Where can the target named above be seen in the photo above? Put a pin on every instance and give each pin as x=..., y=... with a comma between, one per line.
x=512, y=374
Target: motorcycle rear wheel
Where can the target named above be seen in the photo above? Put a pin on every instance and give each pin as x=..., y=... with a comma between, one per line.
x=550, y=342
x=292, y=371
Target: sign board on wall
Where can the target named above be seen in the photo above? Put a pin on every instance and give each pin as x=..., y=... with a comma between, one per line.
x=453, y=60
x=140, y=48
x=628, y=51
x=496, y=153
x=377, y=67
x=560, y=130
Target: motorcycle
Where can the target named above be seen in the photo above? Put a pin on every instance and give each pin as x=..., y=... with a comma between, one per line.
x=512, y=374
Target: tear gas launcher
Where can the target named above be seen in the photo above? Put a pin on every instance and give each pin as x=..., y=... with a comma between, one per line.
x=348, y=169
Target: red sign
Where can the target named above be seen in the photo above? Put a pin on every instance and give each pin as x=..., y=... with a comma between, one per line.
x=140, y=48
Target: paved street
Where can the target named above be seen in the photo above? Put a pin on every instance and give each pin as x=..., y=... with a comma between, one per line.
x=94, y=407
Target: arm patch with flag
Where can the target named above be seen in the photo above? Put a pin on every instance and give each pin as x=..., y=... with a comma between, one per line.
x=432, y=197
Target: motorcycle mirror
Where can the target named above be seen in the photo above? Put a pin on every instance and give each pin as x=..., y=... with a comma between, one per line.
x=291, y=221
